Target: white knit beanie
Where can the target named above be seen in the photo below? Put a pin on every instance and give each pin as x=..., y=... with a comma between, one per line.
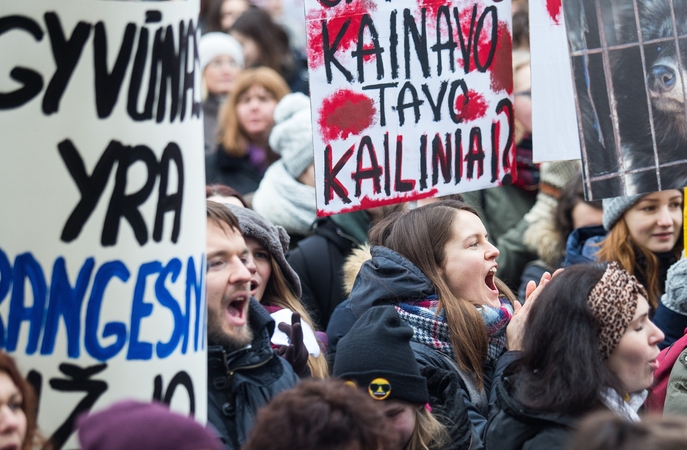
x=217, y=43
x=291, y=136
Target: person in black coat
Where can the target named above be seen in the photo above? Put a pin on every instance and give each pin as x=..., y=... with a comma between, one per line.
x=319, y=258
x=244, y=372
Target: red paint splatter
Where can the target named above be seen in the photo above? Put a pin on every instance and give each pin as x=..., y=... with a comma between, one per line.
x=431, y=12
x=554, y=9
x=369, y=46
x=471, y=108
x=367, y=203
x=344, y=113
x=484, y=44
x=336, y=18
x=502, y=66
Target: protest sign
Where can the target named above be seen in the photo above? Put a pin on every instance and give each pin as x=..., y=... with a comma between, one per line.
x=554, y=118
x=102, y=236
x=409, y=99
x=628, y=61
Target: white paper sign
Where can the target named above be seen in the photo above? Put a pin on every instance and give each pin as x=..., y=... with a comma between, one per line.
x=102, y=236
x=411, y=99
x=555, y=135
x=280, y=338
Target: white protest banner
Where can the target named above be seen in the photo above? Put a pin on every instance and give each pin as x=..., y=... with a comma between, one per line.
x=102, y=236
x=628, y=59
x=409, y=99
x=555, y=134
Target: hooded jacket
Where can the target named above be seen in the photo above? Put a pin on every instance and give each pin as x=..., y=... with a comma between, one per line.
x=389, y=278
x=583, y=244
x=318, y=261
x=240, y=382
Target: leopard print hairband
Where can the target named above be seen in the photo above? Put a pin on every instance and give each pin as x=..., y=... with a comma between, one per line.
x=613, y=302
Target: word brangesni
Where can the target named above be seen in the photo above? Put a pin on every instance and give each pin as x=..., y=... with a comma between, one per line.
x=62, y=301
x=173, y=61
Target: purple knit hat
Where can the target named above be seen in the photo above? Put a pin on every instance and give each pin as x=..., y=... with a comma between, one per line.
x=132, y=425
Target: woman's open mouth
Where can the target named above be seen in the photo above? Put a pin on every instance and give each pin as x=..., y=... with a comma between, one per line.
x=254, y=285
x=489, y=280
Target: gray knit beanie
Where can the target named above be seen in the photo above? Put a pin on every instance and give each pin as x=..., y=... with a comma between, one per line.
x=614, y=208
x=291, y=136
x=217, y=43
x=675, y=297
x=273, y=237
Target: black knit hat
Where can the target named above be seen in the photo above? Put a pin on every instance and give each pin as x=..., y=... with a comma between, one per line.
x=377, y=356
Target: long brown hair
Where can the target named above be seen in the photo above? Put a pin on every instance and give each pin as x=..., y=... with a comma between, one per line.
x=421, y=235
x=620, y=247
x=232, y=137
x=28, y=403
x=278, y=293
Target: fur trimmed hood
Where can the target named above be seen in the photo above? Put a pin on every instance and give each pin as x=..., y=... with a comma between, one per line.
x=352, y=266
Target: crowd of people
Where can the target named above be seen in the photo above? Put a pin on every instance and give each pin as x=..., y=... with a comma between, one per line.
x=520, y=317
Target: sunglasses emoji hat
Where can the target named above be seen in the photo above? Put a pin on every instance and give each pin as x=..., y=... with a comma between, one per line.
x=377, y=357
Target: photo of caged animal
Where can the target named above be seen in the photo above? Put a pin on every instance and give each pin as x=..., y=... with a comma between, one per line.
x=653, y=92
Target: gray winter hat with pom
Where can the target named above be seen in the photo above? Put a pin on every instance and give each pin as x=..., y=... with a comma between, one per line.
x=614, y=208
x=291, y=136
x=273, y=237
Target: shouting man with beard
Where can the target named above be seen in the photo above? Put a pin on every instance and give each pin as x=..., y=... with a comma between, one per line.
x=244, y=373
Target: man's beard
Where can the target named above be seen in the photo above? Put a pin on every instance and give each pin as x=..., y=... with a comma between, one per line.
x=236, y=339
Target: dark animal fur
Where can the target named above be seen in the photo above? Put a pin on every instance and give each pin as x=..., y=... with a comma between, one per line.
x=665, y=86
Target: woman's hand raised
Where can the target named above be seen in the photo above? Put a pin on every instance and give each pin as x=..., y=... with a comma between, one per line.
x=516, y=327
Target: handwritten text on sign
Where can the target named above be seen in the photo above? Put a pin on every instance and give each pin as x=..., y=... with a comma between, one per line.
x=101, y=189
x=410, y=100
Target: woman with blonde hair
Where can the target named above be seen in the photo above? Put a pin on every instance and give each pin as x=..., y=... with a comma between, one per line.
x=277, y=287
x=246, y=121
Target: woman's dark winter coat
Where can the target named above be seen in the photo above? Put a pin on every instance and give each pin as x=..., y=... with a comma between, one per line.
x=238, y=173
x=318, y=260
x=514, y=427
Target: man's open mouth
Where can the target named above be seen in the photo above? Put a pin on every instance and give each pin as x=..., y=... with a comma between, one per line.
x=236, y=309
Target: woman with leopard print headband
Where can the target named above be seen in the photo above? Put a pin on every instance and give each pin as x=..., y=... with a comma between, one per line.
x=589, y=345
